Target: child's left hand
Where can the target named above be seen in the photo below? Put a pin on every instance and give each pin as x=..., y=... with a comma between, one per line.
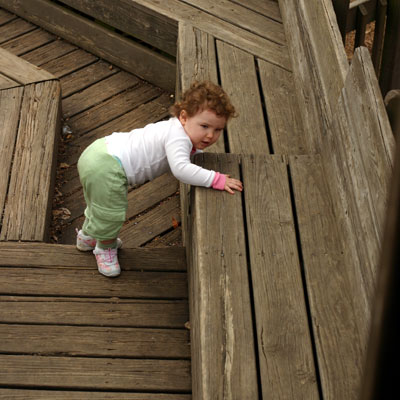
x=231, y=183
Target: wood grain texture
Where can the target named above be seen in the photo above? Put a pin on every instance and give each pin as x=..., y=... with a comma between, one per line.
x=27, y=213
x=20, y=70
x=103, y=374
x=284, y=345
x=223, y=358
x=112, y=312
x=91, y=341
x=246, y=133
x=10, y=107
x=268, y=8
x=339, y=313
x=44, y=255
x=20, y=394
x=103, y=42
x=14, y=28
x=283, y=111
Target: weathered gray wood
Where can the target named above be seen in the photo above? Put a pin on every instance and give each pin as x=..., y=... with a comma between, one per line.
x=89, y=373
x=359, y=163
x=283, y=111
x=60, y=256
x=103, y=42
x=94, y=341
x=151, y=28
x=10, y=106
x=243, y=17
x=86, y=76
x=20, y=394
x=284, y=346
x=98, y=92
x=133, y=284
x=14, y=28
x=318, y=59
x=220, y=29
x=28, y=42
x=96, y=312
x=223, y=359
x=246, y=133
x=6, y=82
x=49, y=52
x=158, y=220
x=269, y=8
x=27, y=212
x=339, y=314
x=20, y=70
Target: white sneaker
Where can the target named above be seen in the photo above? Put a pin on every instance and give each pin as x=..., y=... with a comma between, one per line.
x=87, y=243
x=107, y=261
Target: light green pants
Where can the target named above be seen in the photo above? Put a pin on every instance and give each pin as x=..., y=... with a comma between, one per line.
x=105, y=188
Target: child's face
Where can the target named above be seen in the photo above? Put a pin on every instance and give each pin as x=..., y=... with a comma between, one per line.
x=203, y=128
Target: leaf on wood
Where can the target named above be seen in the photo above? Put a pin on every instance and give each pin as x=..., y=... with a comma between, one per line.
x=175, y=223
x=64, y=165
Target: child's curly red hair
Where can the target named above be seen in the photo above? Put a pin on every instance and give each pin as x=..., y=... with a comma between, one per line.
x=204, y=95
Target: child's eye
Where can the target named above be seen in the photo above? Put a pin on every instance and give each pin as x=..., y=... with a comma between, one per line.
x=204, y=126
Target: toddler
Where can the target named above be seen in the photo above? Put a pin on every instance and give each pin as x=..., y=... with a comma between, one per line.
x=110, y=164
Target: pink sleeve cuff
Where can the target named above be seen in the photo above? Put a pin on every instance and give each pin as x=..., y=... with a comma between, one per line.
x=219, y=181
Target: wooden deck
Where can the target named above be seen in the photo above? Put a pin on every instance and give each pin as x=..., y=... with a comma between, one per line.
x=281, y=280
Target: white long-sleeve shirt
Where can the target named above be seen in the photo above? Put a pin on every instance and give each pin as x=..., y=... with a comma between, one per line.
x=157, y=148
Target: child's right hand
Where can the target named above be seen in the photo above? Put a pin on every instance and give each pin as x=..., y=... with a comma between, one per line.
x=232, y=184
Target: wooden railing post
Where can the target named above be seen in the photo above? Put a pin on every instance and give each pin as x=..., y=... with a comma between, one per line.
x=341, y=8
x=390, y=68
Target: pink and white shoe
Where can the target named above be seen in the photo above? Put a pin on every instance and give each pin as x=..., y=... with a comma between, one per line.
x=107, y=262
x=87, y=243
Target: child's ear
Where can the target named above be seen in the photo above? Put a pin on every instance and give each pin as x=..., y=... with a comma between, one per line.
x=183, y=117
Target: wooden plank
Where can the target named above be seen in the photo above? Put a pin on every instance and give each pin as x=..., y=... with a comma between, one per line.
x=254, y=44
x=98, y=92
x=339, y=314
x=103, y=42
x=20, y=70
x=283, y=111
x=49, y=52
x=20, y=394
x=151, y=224
x=246, y=133
x=27, y=212
x=362, y=147
x=94, y=373
x=223, y=359
x=112, y=108
x=134, y=284
x=284, y=345
x=14, y=28
x=86, y=76
x=6, y=82
x=243, y=17
x=94, y=341
x=268, y=8
x=69, y=62
x=156, y=30
x=96, y=312
x=28, y=42
x=66, y=256
x=197, y=61
x=10, y=106
x=6, y=17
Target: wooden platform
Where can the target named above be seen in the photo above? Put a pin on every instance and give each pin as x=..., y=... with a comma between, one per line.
x=281, y=277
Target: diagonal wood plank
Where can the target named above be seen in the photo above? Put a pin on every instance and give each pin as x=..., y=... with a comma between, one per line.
x=95, y=373
x=268, y=8
x=14, y=28
x=284, y=345
x=95, y=312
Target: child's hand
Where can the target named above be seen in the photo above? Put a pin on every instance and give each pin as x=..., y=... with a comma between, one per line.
x=234, y=184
